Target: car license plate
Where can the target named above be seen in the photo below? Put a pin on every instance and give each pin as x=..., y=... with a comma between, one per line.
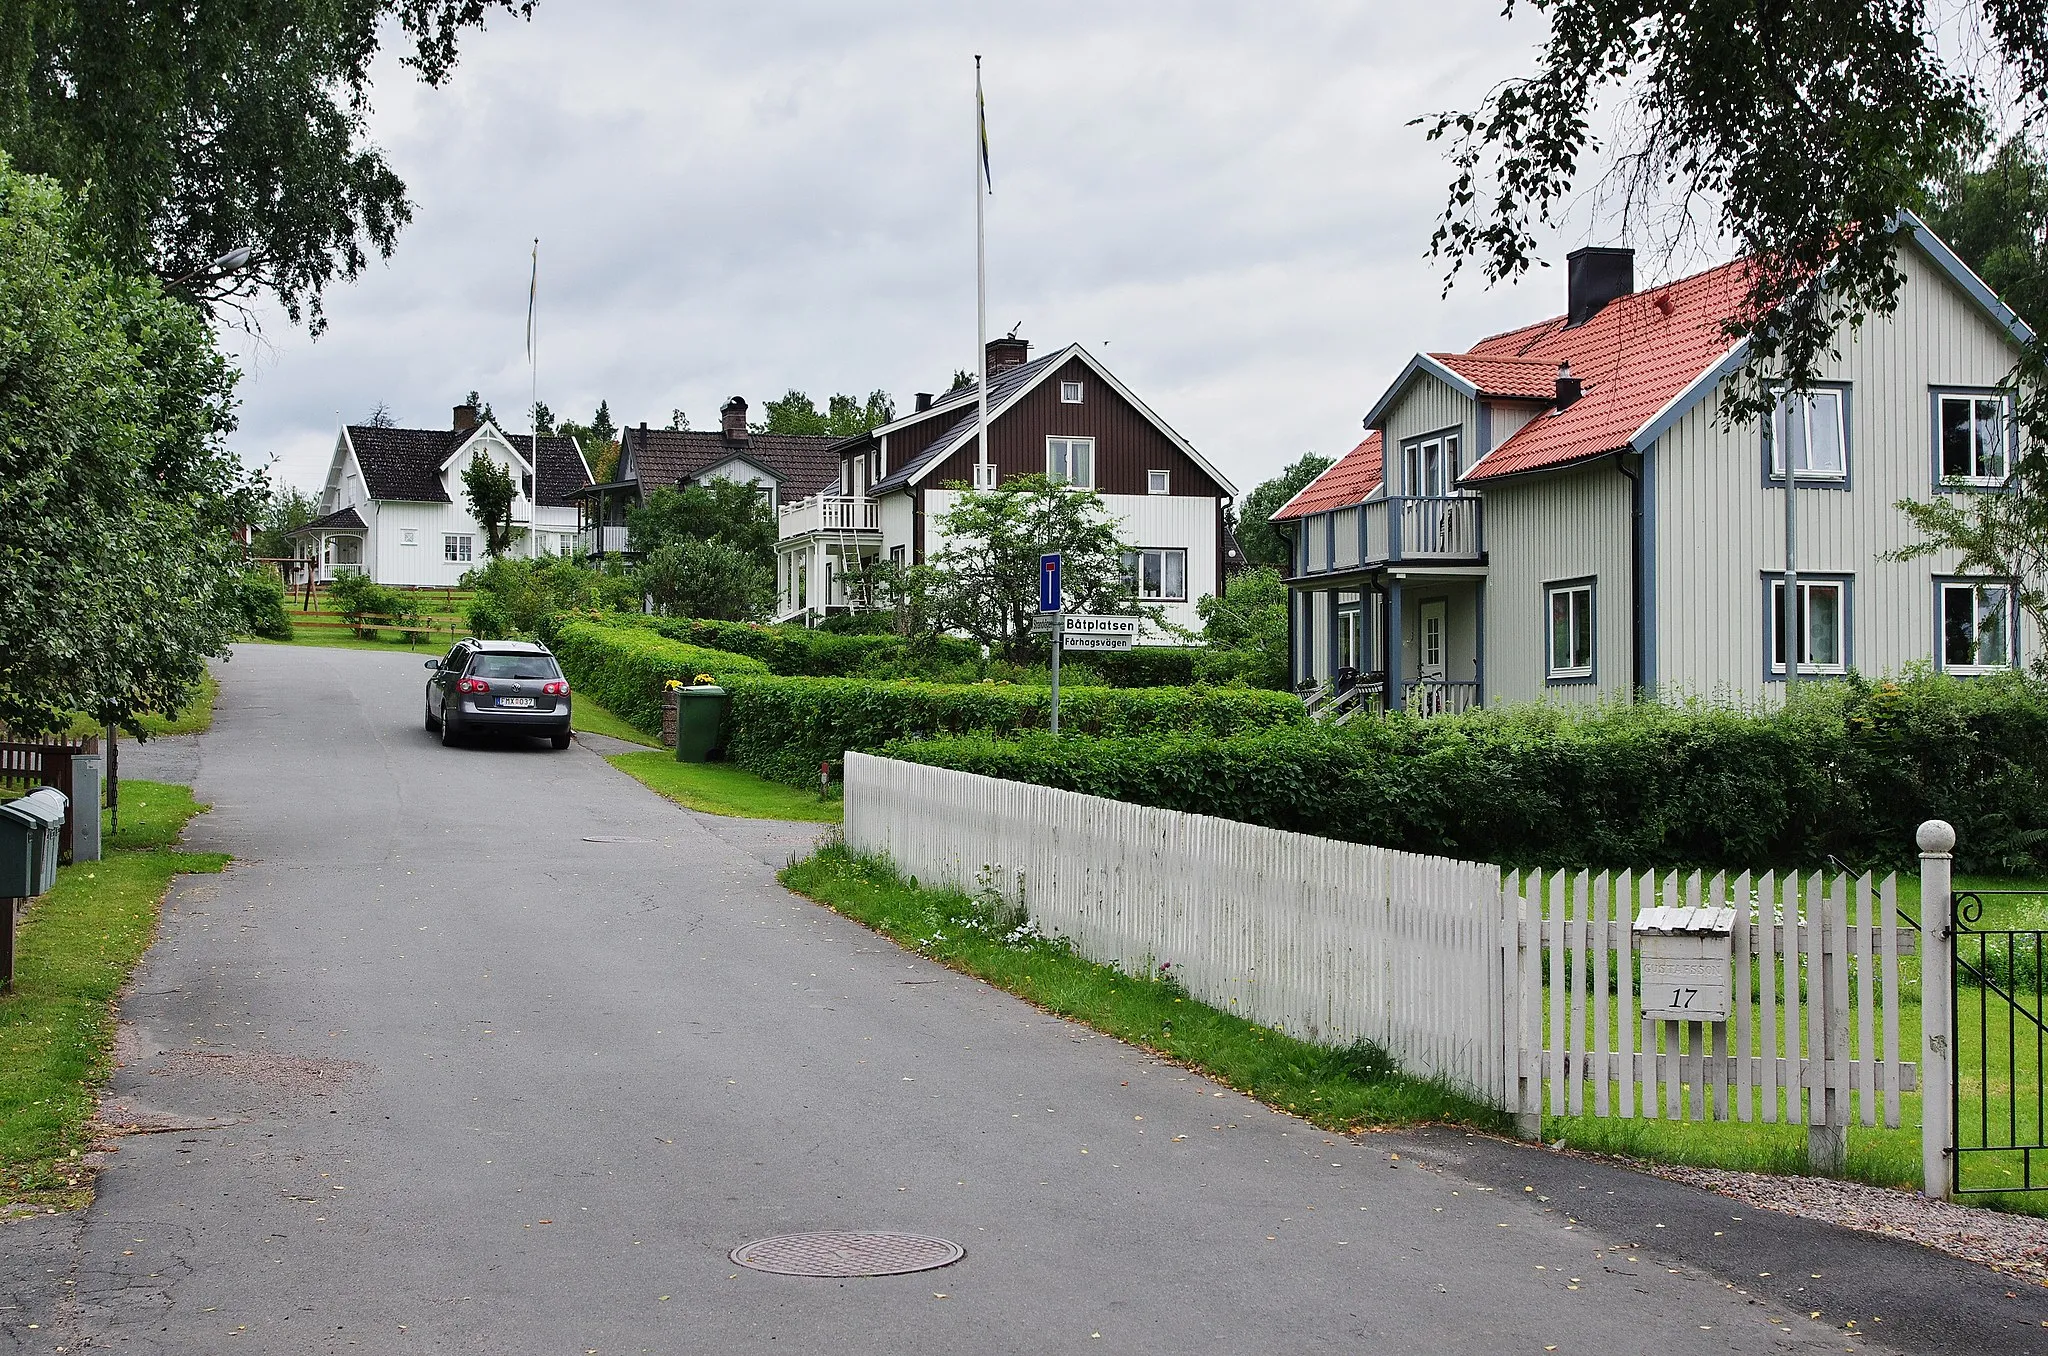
x=515, y=701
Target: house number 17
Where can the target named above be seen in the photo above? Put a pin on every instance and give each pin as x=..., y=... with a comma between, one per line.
x=1682, y=998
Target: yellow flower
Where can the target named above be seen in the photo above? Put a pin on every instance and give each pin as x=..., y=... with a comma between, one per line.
x=703, y=679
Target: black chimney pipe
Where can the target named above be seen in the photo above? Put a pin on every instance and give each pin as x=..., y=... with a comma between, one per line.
x=1594, y=276
x=1569, y=387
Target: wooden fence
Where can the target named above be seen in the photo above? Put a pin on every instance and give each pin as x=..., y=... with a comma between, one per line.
x=1813, y=1023
x=1507, y=988
x=47, y=764
x=1330, y=941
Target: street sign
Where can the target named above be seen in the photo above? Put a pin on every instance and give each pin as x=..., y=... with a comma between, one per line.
x=1044, y=623
x=1073, y=642
x=1049, y=582
x=1083, y=624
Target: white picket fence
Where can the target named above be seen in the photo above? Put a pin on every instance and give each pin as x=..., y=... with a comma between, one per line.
x=1502, y=988
x=1329, y=941
x=1814, y=1018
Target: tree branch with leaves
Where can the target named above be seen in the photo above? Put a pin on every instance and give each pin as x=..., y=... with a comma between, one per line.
x=488, y=489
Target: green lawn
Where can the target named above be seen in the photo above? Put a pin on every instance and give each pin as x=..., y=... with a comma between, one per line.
x=75, y=950
x=196, y=717
x=722, y=789
x=1335, y=1089
x=587, y=715
x=435, y=644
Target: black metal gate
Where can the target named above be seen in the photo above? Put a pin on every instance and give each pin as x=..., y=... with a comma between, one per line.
x=1996, y=983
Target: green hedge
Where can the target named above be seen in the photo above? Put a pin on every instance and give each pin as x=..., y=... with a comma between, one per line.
x=800, y=652
x=783, y=728
x=1848, y=774
x=625, y=668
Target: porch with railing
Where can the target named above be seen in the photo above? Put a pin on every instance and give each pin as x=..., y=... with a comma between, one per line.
x=607, y=540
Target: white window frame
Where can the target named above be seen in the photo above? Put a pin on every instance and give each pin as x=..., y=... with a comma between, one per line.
x=1070, y=393
x=1774, y=597
x=1134, y=565
x=1431, y=460
x=1579, y=627
x=1975, y=588
x=408, y=536
x=1807, y=405
x=458, y=548
x=2005, y=438
x=1159, y=482
x=1059, y=458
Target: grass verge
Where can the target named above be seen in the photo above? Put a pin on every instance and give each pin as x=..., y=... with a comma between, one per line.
x=587, y=715
x=435, y=644
x=195, y=717
x=75, y=951
x=722, y=789
x=1336, y=1089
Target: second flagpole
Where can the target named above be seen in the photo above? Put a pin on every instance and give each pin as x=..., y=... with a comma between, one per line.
x=983, y=477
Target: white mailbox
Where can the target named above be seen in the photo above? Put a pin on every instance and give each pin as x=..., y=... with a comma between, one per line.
x=1687, y=963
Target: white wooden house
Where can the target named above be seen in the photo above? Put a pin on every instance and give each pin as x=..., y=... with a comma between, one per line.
x=393, y=505
x=1560, y=511
x=1063, y=415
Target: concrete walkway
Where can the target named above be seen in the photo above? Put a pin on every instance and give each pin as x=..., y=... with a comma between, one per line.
x=494, y=1050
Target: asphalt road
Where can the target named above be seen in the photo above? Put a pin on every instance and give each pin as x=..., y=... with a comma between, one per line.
x=492, y=1050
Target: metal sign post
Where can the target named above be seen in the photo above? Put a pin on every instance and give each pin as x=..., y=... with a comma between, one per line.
x=1049, y=606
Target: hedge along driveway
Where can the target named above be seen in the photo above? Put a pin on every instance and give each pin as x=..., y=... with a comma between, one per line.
x=783, y=728
x=626, y=668
x=1849, y=773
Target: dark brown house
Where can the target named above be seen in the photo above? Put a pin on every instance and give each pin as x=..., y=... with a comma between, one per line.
x=1062, y=415
x=785, y=467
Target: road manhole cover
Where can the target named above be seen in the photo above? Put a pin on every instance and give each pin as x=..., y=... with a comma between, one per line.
x=829, y=1253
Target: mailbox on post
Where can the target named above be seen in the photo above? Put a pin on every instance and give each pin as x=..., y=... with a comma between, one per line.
x=1687, y=963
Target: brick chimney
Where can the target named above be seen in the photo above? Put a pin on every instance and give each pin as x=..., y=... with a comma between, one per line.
x=732, y=417
x=1006, y=353
x=465, y=418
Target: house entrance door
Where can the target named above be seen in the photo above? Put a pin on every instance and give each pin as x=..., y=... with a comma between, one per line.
x=1429, y=693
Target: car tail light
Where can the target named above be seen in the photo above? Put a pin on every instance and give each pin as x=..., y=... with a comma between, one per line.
x=473, y=685
x=558, y=688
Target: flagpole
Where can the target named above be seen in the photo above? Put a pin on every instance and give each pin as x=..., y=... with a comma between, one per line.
x=982, y=479
x=533, y=403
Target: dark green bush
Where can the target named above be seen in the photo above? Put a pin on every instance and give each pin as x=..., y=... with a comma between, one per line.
x=370, y=608
x=516, y=596
x=625, y=668
x=783, y=728
x=798, y=652
x=259, y=593
x=1848, y=774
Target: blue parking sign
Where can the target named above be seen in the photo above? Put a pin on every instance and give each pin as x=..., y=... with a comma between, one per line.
x=1049, y=582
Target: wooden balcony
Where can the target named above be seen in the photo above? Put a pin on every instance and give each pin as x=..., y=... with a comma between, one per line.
x=828, y=513
x=1398, y=530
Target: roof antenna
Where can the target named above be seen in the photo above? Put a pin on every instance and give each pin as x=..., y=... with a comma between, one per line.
x=1014, y=328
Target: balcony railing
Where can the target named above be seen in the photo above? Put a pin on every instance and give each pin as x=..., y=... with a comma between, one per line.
x=828, y=513
x=1397, y=530
x=600, y=540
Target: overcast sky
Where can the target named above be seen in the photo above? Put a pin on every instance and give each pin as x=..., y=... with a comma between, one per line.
x=1223, y=201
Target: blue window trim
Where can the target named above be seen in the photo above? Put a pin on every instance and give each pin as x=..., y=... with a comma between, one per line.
x=1934, y=395
x=2018, y=632
x=1773, y=481
x=1448, y=430
x=1591, y=583
x=1771, y=579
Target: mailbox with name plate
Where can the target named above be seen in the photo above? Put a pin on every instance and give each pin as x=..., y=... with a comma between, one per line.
x=1687, y=963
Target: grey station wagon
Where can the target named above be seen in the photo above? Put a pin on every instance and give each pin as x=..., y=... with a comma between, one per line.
x=498, y=685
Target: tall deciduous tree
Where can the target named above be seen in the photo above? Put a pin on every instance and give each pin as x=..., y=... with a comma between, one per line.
x=1261, y=542
x=192, y=130
x=118, y=496
x=983, y=579
x=1801, y=128
x=1995, y=215
x=843, y=415
x=488, y=488
x=725, y=511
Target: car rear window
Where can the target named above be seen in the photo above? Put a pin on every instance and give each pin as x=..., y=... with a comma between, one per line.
x=514, y=666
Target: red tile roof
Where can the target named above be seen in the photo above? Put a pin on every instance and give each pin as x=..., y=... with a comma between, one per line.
x=1633, y=356
x=1505, y=378
x=1356, y=475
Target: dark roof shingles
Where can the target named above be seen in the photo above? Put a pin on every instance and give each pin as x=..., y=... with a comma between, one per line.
x=405, y=463
x=803, y=465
